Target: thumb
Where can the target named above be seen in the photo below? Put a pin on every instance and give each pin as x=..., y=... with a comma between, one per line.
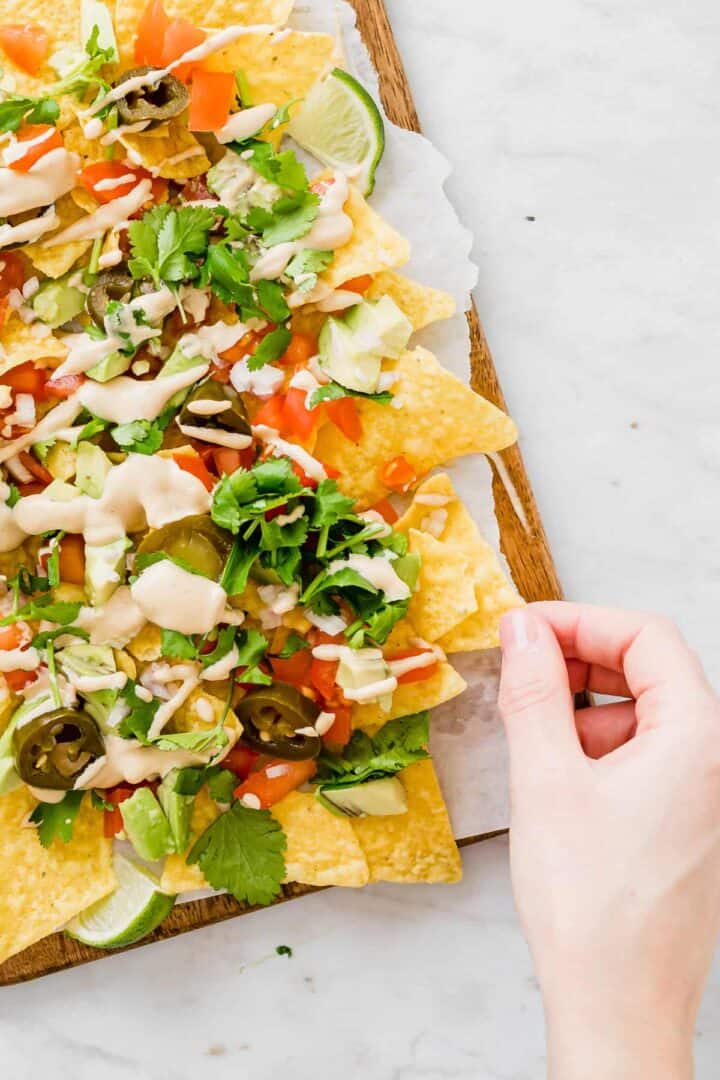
x=535, y=700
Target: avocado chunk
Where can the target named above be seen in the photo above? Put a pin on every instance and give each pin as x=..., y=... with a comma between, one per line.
x=104, y=569
x=60, y=461
x=146, y=826
x=91, y=467
x=375, y=798
x=87, y=660
x=346, y=359
x=109, y=367
x=56, y=302
x=356, y=671
x=380, y=321
x=177, y=808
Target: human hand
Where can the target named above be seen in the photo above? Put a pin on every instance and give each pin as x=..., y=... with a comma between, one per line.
x=615, y=836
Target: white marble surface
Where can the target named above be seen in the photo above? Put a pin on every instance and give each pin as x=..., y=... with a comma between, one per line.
x=599, y=118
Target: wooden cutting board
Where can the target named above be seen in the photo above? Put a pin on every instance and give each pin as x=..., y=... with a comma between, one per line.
x=524, y=544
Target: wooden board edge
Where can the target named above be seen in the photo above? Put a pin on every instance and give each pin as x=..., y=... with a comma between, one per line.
x=527, y=552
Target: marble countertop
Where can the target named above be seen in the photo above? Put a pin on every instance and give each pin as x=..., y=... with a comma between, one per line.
x=584, y=137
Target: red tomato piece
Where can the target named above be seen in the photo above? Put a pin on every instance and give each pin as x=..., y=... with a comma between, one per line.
x=194, y=464
x=343, y=413
x=45, y=137
x=274, y=781
x=417, y=674
x=113, y=823
x=27, y=45
x=13, y=637
x=150, y=37
x=101, y=171
x=385, y=509
x=295, y=669
x=18, y=680
x=180, y=37
x=64, y=387
x=26, y=379
x=33, y=466
x=339, y=734
x=271, y=413
x=12, y=274
x=301, y=348
x=229, y=461
x=359, y=284
x=211, y=97
x=297, y=420
x=397, y=474
x=322, y=677
x=240, y=760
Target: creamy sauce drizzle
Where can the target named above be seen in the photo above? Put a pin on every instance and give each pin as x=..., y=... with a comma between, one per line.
x=50, y=177
x=123, y=399
x=178, y=600
x=105, y=217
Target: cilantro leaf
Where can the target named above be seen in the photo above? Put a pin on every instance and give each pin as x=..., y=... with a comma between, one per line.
x=252, y=646
x=16, y=110
x=57, y=819
x=332, y=391
x=283, y=169
x=61, y=611
x=305, y=266
x=225, y=642
x=272, y=346
x=136, y=724
x=226, y=272
x=330, y=504
x=292, y=218
x=272, y=301
x=177, y=645
x=221, y=784
x=197, y=742
x=243, y=852
x=237, y=568
x=294, y=643
x=41, y=640
x=164, y=239
x=142, y=436
x=396, y=745
x=247, y=494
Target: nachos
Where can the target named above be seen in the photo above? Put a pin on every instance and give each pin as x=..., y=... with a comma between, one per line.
x=220, y=631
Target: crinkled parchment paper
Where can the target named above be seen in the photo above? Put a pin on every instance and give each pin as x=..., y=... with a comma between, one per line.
x=467, y=740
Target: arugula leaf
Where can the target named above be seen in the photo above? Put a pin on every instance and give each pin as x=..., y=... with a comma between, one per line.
x=164, y=239
x=16, y=110
x=60, y=611
x=243, y=852
x=41, y=640
x=294, y=643
x=57, y=819
x=138, y=721
x=272, y=346
x=396, y=745
x=175, y=644
x=332, y=391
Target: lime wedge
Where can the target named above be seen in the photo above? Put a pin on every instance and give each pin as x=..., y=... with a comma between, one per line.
x=340, y=124
x=135, y=908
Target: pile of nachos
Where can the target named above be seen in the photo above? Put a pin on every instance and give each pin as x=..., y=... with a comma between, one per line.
x=232, y=576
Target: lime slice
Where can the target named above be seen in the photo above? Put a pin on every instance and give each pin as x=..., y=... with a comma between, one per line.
x=135, y=908
x=340, y=124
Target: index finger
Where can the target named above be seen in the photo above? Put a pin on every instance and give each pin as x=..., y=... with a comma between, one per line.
x=649, y=650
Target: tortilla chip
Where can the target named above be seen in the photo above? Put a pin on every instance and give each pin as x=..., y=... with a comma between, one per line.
x=61, y=20
x=322, y=848
x=445, y=593
x=416, y=846
x=494, y=592
x=374, y=245
x=434, y=417
x=18, y=344
x=56, y=261
x=215, y=15
x=145, y=646
x=177, y=876
x=409, y=698
x=176, y=155
x=278, y=68
x=421, y=303
x=41, y=889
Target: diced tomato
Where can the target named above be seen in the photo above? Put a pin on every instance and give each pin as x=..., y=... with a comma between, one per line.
x=332, y=472
x=113, y=823
x=27, y=45
x=195, y=188
x=305, y=480
x=26, y=379
x=359, y=284
x=343, y=413
x=240, y=760
x=33, y=488
x=339, y=734
x=210, y=99
x=33, y=466
x=229, y=461
x=100, y=171
x=295, y=669
x=322, y=677
x=64, y=387
x=397, y=474
x=385, y=509
x=180, y=37
x=298, y=420
x=12, y=274
x=271, y=413
x=276, y=780
x=18, y=680
x=48, y=138
x=72, y=559
x=150, y=37
x=418, y=674
x=301, y=348
x=194, y=464
x=13, y=637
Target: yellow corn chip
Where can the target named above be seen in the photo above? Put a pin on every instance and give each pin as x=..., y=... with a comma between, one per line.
x=322, y=848
x=56, y=261
x=176, y=155
x=59, y=18
x=42, y=888
x=177, y=876
x=18, y=344
x=416, y=846
x=215, y=15
x=421, y=303
x=373, y=246
x=437, y=418
x=494, y=593
x=145, y=646
x=445, y=593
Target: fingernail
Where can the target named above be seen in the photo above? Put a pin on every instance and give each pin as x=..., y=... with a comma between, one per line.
x=518, y=630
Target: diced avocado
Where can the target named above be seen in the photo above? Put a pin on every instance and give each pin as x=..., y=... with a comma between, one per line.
x=110, y=366
x=56, y=302
x=95, y=14
x=356, y=671
x=60, y=461
x=60, y=491
x=179, y=361
x=382, y=320
x=178, y=810
x=91, y=468
x=375, y=798
x=87, y=659
x=69, y=593
x=104, y=569
x=146, y=826
x=346, y=360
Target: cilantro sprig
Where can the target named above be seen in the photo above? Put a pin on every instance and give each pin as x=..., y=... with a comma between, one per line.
x=16, y=110
x=243, y=851
x=57, y=819
x=396, y=745
x=167, y=243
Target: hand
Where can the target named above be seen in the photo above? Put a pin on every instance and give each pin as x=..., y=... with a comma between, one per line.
x=615, y=837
